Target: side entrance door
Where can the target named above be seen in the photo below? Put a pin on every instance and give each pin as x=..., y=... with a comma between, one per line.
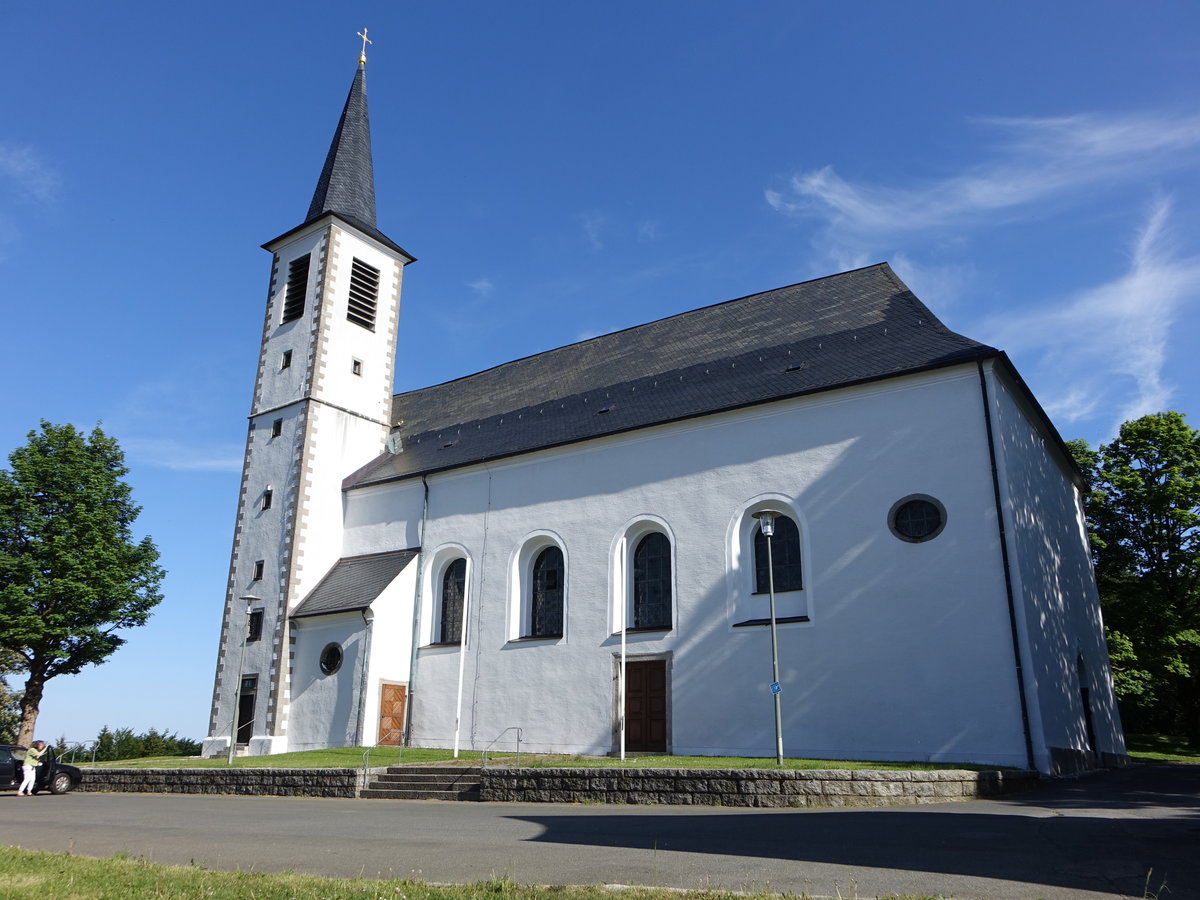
x=646, y=706
x=392, y=700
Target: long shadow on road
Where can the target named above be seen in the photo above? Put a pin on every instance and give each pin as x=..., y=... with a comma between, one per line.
x=1106, y=832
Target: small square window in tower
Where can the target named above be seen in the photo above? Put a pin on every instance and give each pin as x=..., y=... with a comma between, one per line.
x=364, y=294
x=286, y=361
x=297, y=288
x=277, y=428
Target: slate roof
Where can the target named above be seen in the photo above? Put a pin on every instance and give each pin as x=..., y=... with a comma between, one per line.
x=354, y=583
x=818, y=335
x=346, y=187
x=347, y=182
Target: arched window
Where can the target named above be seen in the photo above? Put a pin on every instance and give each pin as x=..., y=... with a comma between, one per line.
x=454, y=583
x=785, y=553
x=546, y=600
x=652, y=582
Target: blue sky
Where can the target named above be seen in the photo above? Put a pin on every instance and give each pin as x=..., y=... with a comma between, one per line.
x=562, y=170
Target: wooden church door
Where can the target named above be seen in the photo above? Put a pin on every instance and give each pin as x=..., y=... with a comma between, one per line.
x=392, y=700
x=646, y=706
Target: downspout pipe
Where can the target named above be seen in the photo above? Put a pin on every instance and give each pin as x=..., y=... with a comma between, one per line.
x=1006, y=564
x=416, y=629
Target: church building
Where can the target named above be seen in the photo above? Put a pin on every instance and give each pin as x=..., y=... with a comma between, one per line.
x=568, y=549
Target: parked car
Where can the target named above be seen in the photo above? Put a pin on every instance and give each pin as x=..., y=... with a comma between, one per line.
x=52, y=775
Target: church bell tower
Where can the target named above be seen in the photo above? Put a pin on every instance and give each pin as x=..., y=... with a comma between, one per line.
x=321, y=408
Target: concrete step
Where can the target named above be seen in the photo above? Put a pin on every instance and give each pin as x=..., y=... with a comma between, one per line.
x=389, y=793
x=424, y=783
x=429, y=779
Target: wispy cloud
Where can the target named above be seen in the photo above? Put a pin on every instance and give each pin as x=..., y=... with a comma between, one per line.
x=648, y=231
x=482, y=286
x=183, y=456
x=175, y=422
x=1121, y=328
x=1097, y=353
x=1033, y=161
x=33, y=177
x=593, y=226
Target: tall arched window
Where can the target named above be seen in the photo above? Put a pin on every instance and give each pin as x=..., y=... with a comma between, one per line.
x=454, y=584
x=652, y=582
x=546, y=600
x=785, y=553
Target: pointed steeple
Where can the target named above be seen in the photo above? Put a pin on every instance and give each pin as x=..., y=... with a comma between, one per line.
x=347, y=183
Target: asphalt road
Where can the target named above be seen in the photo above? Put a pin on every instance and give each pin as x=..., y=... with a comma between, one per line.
x=1131, y=833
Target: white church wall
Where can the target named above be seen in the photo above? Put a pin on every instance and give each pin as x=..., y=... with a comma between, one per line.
x=338, y=442
x=907, y=654
x=1055, y=585
x=381, y=518
x=325, y=709
x=390, y=645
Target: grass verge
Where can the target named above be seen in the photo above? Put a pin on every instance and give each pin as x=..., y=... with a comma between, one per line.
x=1161, y=748
x=44, y=876
x=352, y=757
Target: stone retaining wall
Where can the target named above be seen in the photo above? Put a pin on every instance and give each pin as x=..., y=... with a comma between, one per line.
x=699, y=787
x=269, y=782
x=747, y=787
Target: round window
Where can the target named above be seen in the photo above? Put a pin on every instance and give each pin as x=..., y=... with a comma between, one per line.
x=331, y=658
x=917, y=518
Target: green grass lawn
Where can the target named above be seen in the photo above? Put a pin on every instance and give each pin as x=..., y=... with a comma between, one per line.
x=1161, y=748
x=45, y=876
x=352, y=758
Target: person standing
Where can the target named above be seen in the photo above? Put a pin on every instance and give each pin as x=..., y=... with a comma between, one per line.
x=33, y=759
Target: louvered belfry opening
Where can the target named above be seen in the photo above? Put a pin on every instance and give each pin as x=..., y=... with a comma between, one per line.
x=364, y=294
x=297, y=288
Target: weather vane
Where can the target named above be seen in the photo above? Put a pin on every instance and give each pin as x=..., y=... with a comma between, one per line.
x=362, y=57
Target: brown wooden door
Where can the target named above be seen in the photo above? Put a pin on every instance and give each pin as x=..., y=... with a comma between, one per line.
x=392, y=700
x=646, y=706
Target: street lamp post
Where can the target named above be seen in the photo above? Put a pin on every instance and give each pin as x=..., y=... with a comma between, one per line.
x=237, y=689
x=766, y=521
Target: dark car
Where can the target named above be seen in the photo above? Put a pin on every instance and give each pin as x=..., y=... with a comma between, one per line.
x=52, y=776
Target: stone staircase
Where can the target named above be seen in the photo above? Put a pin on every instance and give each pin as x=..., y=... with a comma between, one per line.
x=424, y=783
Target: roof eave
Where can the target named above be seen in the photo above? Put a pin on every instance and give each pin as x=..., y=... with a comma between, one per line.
x=970, y=358
x=362, y=228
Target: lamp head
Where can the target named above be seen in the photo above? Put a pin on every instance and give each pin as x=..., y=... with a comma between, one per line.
x=766, y=521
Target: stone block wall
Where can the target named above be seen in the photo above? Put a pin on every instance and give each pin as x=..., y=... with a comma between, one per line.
x=267, y=782
x=747, y=787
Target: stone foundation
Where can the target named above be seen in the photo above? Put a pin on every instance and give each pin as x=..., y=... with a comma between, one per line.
x=693, y=787
x=747, y=787
x=266, y=782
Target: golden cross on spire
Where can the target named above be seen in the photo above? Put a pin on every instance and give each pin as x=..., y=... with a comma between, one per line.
x=362, y=57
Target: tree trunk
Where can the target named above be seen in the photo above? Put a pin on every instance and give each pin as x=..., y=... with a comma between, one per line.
x=30, y=702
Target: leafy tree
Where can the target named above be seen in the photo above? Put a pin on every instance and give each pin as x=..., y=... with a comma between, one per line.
x=71, y=573
x=1144, y=519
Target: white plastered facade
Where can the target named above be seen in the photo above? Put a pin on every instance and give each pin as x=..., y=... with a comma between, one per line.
x=896, y=651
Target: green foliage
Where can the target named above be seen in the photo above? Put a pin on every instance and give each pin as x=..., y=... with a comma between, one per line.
x=71, y=573
x=124, y=744
x=1144, y=521
x=10, y=714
